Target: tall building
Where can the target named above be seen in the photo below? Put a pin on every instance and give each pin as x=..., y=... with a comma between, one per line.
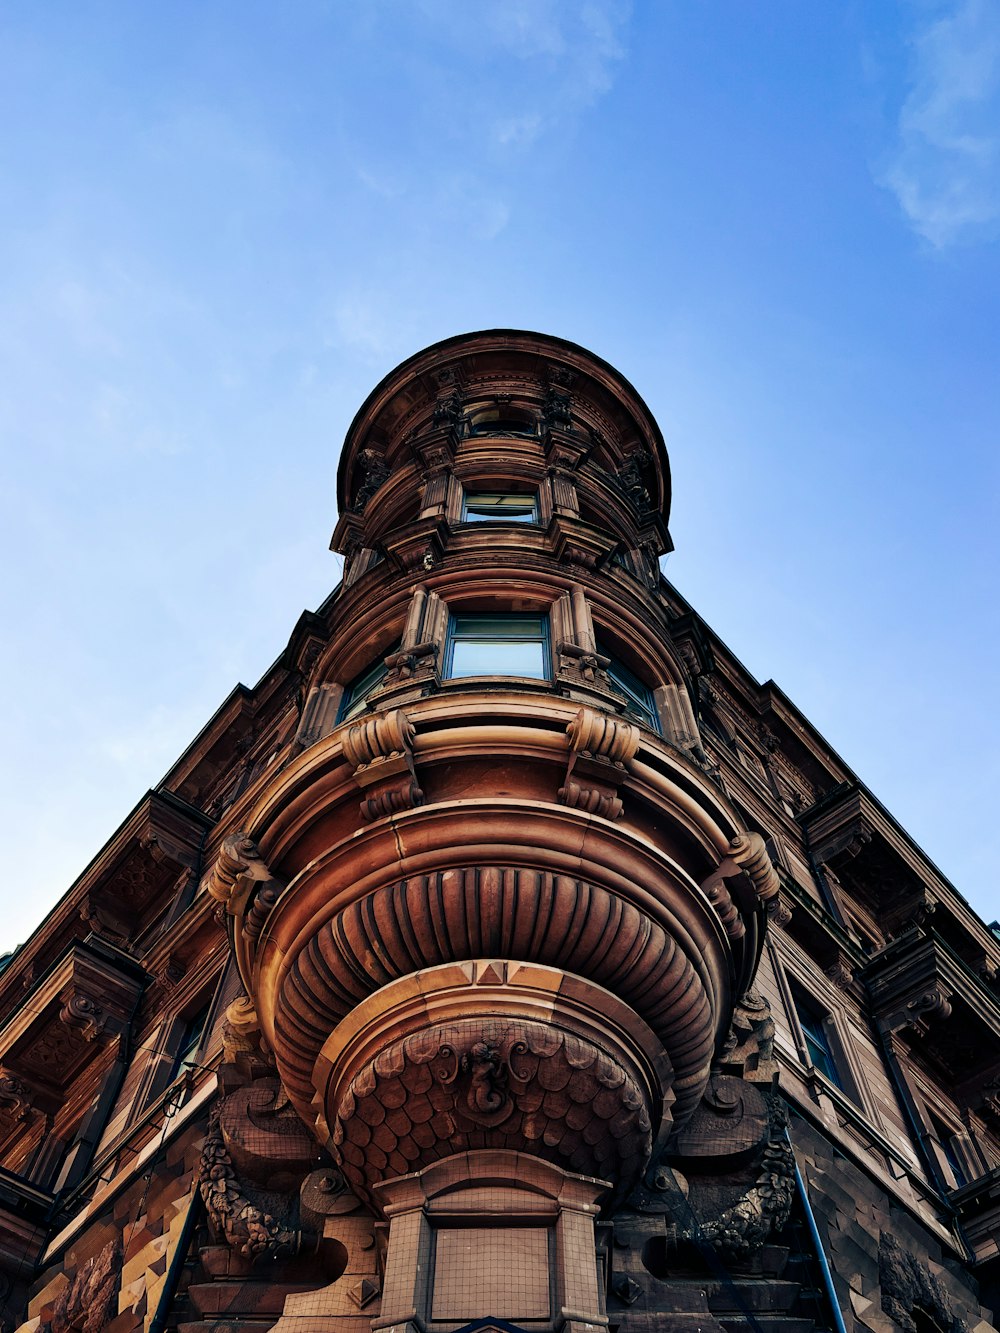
x=508, y=957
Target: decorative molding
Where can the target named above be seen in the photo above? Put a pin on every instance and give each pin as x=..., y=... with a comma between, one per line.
x=749, y=1048
x=600, y=748
x=493, y=1083
x=380, y=750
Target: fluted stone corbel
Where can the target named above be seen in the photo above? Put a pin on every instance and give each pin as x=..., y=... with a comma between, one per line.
x=242, y=883
x=747, y=855
x=380, y=750
x=601, y=747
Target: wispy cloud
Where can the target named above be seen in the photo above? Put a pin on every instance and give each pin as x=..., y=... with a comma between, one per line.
x=945, y=170
x=524, y=71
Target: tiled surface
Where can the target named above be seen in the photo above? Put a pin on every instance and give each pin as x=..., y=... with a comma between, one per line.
x=481, y=1271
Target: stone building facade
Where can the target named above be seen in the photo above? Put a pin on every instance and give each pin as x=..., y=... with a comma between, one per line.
x=507, y=957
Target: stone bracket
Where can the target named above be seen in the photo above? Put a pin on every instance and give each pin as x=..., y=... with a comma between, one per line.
x=380, y=750
x=747, y=856
x=600, y=748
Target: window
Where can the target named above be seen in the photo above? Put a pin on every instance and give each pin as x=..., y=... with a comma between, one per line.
x=356, y=695
x=502, y=421
x=946, y=1138
x=639, y=703
x=499, y=507
x=189, y=1043
x=815, y=1033
x=505, y=645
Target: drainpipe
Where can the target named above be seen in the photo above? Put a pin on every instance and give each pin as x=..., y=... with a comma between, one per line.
x=814, y=1235
x=165, y=1304
x=920, y=1136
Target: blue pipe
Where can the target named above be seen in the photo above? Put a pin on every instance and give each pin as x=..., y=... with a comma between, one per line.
x=824, y=1263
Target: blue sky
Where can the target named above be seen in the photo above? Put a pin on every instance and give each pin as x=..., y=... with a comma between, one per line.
x=222, y=223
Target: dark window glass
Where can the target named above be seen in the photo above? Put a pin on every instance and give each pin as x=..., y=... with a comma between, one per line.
x=492, y=423
x=817, y=1039
x=639, y=702
x=506, y=645
x=499, y=507
x=190, y=1041
x=356, y=695
x=946, y=1138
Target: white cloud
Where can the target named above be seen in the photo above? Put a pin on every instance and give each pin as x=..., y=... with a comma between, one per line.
x=945, y=171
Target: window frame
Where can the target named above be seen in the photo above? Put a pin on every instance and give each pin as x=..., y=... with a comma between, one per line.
x=352, y=704
x=543, y=639
x=640, y=707
x=529, y=500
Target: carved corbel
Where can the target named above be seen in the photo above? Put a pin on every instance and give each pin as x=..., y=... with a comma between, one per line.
x=840, y=973
x=916, y=1014
x=257, y=1175
x=380, y=750
x=747, y=855
x=423, y=635
x=601, y=747
x=372, y=467
x=242, y=882
x=16, y=1101
x=84, y=1016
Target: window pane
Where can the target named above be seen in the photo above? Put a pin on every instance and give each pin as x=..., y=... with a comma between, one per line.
x=639, y=696
x=476, y=657
x=498, y=506
x=498, y=627
x=356, y=694
x=817, y=1041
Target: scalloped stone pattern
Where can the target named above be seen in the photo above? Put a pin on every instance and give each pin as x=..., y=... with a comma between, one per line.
x=493, y=911
x=492, y=1084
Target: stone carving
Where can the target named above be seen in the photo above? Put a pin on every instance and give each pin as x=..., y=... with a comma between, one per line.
x=492, y=1083
x=380, y=749
x=241, y=881
x=591, y=799
x=600, y=736
x=933, y=1003
x=840, y=973
x=242, y=1041
x=736, y=1210
x=750, y=854
x=749, y=1048
x=84, y=1016
x=743, y=1227
x=493, y=912
x=628, y=479
x=246, y=1222
x=448, y=410
x=600, y=747
x=373, y=469
x=557, y=408
x=779, y=911
x=15, y=1100
x=908, y=1287
x=378, y=739
x=89, y=1302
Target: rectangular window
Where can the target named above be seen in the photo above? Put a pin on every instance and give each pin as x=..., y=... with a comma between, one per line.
x=639, y=702
x=356, y=694
x=499, y=507
x=814, y=1024
x=189, y=1043
x=946, y=1138
x=507, y=645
